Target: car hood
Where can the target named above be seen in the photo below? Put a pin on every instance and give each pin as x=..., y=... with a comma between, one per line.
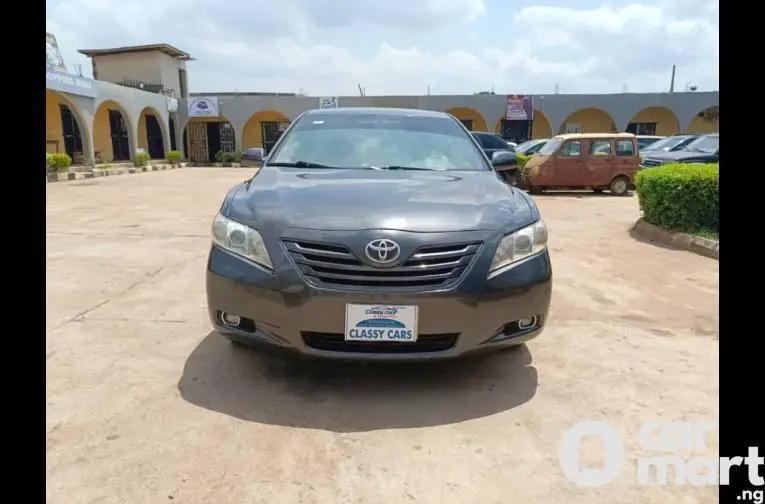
x=676, y=155
x=419, y=201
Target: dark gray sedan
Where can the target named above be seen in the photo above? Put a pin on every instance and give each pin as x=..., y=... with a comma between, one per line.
x=379, y=234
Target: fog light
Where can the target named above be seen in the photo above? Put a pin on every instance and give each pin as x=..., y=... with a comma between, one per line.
x=526, y=323
x=230, y=319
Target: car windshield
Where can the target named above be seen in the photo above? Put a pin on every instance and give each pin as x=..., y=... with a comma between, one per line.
x=368, y=140
x=550, y=147
x=708, y=144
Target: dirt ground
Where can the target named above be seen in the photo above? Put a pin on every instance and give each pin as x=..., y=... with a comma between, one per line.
x=146, y=405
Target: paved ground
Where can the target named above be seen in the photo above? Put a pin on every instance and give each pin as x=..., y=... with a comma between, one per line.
x=145, y=405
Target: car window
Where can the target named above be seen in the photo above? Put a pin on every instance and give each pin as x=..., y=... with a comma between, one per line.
x=479, y=138
x=600, y=148
x=572, y=148
x=625, y=148
x=550, y=147
x=376, y=140
x=493, y=142
x=708, y=144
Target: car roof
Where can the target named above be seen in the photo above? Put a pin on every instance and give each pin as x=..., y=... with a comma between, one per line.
x=378, y=111
x=569, y=136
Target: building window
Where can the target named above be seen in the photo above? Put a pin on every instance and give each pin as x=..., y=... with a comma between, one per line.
x=648, y=129
x=468, y=123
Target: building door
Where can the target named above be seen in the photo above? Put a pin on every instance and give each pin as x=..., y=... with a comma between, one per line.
x=220, y=138
x=516, y=131
x=196, y=142
x=468, y=123
x=648, y=129
x=172, y=135
x=227, y=140
x=270, y=132
x=119, y=133
x=154, y=138
x=71, y=131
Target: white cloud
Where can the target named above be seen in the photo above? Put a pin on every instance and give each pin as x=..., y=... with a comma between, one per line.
x=400, y=47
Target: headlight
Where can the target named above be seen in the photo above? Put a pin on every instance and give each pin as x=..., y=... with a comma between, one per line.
x=240, y=240
x=520, y=245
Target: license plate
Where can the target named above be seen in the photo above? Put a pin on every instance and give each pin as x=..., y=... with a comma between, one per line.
x=372, y=323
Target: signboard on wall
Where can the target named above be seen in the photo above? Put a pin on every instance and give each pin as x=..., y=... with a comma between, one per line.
x=172, y=105
x=519, y=108
x=203, y=106
x=328, y=102
x=53, y=57
x=68, y=83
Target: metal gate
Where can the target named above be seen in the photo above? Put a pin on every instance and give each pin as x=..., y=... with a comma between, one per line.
x=227, y=139
x=197, y=142
x=270, y=132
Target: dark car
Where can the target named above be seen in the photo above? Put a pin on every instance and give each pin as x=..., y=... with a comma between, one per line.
x=373, y=233
x=531, y=147
x=491, y=143
x=704, y=149
x=669, y=144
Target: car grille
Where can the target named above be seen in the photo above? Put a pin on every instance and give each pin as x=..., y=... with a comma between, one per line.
x=432, y=266
x=335, y=342
x=650, y=162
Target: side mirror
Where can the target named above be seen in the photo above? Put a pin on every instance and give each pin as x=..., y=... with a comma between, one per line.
x=257, y=154
x=504, y=160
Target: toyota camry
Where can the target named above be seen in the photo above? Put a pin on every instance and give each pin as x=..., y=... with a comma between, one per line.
x=372, y=233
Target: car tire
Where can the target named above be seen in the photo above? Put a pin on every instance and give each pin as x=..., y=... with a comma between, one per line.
x=619, y=186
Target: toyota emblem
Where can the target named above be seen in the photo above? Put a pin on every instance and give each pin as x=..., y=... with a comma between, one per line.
x=382, y=251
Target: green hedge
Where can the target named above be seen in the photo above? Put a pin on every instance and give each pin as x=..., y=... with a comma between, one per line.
x=681, y=197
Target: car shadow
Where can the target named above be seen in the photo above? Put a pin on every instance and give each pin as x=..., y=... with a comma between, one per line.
x=346, y=397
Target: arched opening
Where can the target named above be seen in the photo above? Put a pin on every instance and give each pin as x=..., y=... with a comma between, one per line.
x=65, y=130
x=588, y=120
x=706, y=121
x=539, y=127
x=111, y=133
x=171, y=124
x=654, y=121
x=204, y=137
x=472, y=120
x=263, y=129
x=151, y=135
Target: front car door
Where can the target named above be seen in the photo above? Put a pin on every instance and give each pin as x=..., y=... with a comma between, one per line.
x=599, y=163
x=569, y=164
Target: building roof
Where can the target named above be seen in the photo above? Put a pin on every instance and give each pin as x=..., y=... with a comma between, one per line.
x=165, y=48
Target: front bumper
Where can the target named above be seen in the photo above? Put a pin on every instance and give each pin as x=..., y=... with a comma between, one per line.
x=294, y=316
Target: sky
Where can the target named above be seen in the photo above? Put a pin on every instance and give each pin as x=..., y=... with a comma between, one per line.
x=407, y=47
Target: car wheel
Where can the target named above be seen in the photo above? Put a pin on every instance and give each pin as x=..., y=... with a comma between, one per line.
x=619, y=186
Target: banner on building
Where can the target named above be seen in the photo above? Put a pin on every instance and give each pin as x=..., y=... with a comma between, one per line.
x=203, y=106
x=172, y=105
x=519, y=108
x=328, y=102
x=53, y=57
x=68, y=83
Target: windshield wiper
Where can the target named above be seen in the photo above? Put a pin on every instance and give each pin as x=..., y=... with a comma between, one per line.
x=396, y=167
x=300, y=164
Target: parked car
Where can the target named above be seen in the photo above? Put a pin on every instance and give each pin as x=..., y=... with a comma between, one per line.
x=703, y=149
x=342, y=247
x=491, y=143
x=595, y=161
x=669, y=144
x=646, y=140
x=531, y=147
